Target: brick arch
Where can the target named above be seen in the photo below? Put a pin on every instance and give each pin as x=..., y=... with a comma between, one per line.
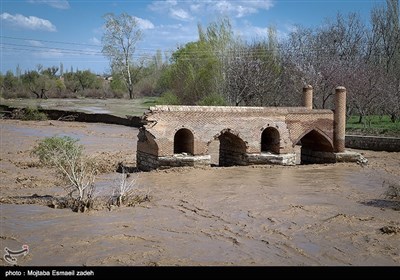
x=184, y=141
x=232, y=148
x=316, y=148
x=270, y=140
x=321, y=142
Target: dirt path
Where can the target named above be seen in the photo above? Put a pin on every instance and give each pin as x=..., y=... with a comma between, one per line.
x=263, y=215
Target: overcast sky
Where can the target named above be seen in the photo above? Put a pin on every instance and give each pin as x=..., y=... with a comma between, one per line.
x=50, y=32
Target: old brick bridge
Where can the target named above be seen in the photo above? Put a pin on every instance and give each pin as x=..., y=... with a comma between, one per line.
x=183, y=135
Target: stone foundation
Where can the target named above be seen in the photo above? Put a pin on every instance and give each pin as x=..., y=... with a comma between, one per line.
x=180, y=160
x=309, y=156
x=347, y=156
x=268, y=158
x=231, y=158
x=145, y=161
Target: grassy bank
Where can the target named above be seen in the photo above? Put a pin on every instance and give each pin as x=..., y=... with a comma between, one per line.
x=373, y=125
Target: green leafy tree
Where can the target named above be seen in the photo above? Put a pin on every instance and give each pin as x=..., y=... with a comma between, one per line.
x=71, y=82
x=51, y=72
x=193, y=72
x=1, y=84
x=87, y=80
x=37, y=84
x=10, y=82
x=59, y=85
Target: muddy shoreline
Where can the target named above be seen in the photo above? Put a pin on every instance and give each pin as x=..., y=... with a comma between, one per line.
x=100, y=117
x=318, y=215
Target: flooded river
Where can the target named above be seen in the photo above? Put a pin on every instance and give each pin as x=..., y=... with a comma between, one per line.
x=262, y=215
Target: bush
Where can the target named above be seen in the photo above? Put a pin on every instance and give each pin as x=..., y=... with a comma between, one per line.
x=168, y=98
x=212, y=100
x=74, y=168
x=33, y=114
x=127, y=192
x=29, y=114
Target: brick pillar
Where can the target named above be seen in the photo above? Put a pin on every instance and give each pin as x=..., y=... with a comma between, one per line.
x=308, y=97
x=340, y=119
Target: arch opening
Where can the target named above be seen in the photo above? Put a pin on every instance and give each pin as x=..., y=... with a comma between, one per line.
x=270, y=140
x=184, y=142
x=315, y=148
x=232, y=150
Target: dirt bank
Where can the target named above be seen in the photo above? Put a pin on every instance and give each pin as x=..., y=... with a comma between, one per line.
x=264, y=215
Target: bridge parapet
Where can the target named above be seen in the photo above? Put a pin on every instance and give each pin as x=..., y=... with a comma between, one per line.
x=246, y=135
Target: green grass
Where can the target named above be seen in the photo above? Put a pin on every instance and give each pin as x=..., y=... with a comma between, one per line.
x=373, y=125
x=116, y=107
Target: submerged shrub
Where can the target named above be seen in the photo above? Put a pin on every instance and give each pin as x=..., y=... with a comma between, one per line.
x=77, y=171
x=30, y=114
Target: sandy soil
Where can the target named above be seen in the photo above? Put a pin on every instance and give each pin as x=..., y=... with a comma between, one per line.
x=333, y=214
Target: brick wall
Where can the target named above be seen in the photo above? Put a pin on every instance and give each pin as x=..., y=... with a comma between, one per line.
x=238, y=129
x=389, y=144
x=248, y=123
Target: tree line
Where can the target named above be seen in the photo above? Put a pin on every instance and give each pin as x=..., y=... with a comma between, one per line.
x=52, y=82
x=220, y=68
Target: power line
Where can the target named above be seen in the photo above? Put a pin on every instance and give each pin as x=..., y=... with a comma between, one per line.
x=48, y=41
x=69, y=43
x=25, y=48
x=226, y=51
x=90, y=52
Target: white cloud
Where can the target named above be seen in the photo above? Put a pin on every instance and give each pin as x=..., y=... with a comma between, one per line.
x=188, y=10
x=195, y=8
x=144, y=23
x=35, y=43
x=180, y=14
x=50, y=53
x=169, y=36
x=260, y=31
x=58, y=4
x=30, y=22
x=223, y=7
x=240, y=8
x=95, y=41
x=162, y=6
x=250, y=32
x=289, y=27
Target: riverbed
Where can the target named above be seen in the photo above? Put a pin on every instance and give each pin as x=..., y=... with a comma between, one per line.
x=319, y=215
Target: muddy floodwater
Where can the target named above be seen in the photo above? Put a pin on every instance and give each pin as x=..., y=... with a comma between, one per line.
x=333, y=214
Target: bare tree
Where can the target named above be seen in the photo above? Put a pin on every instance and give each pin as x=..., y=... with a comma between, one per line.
x=323, y=55
x=253, y=73
x=391, y=88
x=127, y=192
x=124, y=189
x=384, y=51
x=120, y=37
x=384, y=43
x=365, y=84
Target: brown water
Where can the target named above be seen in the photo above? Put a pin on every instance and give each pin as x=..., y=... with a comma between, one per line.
x=302, y=215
